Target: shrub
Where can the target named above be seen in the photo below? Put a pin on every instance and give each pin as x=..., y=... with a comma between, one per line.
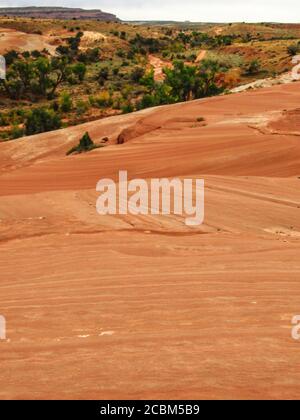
x=148, y=101
x=121, y=53
x=17, y=132
x=294, y=49
x=26, y=54
x=92, y=100
x=41, y=120
x=91, y=55
x=116, y=71
x=103, y=99
x=103, y=76
x=11, y=56
x=86, y=144
x=192, y=57
x=227, y=61
x=36, y=54
x=74, y=42
x=63, y=50
x=127, y=108
x=137, y=74
x=55, y=106
x=79, y=69
x=3, y=120
x=66, y=103
x=253, y=67
x=81, y=107
x=104, y=73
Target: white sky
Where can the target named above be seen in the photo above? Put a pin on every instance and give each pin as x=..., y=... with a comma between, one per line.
x=193, y=10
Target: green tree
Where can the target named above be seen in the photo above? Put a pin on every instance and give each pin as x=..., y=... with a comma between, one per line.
x=29, y=78
x=184, y=83
x=182, y=80
x=43, y=70
x=41, y=120
x=10, y=57
x=74, y=42
x=24, y=70
x=60, y=71
x=79, y=69
x=209, y=71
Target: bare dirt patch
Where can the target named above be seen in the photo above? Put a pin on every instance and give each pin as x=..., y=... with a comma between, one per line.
x=91, y=38
x=20, y=41
x=158, y=66
x=201, y=56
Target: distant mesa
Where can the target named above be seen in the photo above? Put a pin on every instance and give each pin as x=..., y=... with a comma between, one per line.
x=57, y=13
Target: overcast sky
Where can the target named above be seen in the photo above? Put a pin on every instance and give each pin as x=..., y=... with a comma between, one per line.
x=194, y=10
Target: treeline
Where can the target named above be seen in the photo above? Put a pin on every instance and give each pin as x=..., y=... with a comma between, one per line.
x=184, y=83
x=179, y=43
x=114, y=86
x=202, y=39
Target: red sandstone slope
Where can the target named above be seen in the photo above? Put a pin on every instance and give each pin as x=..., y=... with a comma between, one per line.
x=143, y=306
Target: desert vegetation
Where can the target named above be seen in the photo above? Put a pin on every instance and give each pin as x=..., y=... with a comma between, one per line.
x=294, y=49
x=97, y=69
x=86, y=144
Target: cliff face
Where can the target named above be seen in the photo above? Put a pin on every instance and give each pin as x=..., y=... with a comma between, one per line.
x=57, y=13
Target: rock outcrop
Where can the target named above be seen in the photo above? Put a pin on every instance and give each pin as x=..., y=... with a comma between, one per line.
x=57, y=13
